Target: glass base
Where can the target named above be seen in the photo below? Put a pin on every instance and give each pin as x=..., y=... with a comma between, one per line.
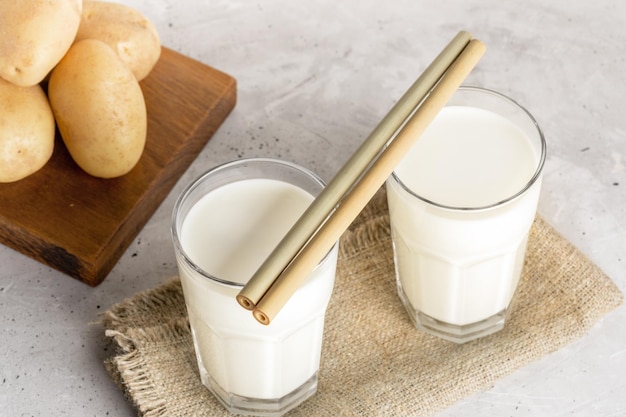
x=453, y=332
x=246, y=406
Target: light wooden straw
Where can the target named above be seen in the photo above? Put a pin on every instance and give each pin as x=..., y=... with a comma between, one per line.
x=352, y=204
x=347, y=176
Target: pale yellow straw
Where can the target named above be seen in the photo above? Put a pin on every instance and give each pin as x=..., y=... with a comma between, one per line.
x=330, y=231
x=347, y=176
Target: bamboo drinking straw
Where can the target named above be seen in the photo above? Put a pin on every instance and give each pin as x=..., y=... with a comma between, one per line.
x=330, y=231
x=348, y=175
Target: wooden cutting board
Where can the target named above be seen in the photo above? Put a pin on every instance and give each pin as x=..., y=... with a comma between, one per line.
x=81, y=225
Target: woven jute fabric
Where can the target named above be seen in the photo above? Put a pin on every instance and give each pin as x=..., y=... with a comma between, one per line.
x=374, y=362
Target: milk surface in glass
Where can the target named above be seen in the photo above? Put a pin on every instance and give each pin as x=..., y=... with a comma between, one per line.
x=459, y=237
x=227, y=234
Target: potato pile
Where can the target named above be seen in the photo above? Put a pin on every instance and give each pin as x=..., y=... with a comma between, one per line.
x=91, y=55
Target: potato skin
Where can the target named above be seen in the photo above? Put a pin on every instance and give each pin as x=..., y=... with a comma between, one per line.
x=126, y=30
x=99, y=109
x=26, y=131
x=35, y=36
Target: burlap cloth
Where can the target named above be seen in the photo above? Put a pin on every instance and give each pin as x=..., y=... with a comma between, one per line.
x=374, y=362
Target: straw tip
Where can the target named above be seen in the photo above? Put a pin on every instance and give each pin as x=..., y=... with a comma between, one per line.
x=261, y=317
x=245, y=302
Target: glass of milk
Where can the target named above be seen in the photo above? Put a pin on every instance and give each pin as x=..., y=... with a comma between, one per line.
x=461, y=204
x=224, y=226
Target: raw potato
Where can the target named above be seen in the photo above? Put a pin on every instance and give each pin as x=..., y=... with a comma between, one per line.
x=127, y=31
x=34, y=36
x=26, y=131
x=99, y=109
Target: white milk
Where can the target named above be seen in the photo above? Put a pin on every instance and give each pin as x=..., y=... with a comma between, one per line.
x=229, y=233
x=462, y=266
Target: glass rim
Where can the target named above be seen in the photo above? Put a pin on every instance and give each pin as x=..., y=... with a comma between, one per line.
x=184, y=194
x=523, y=190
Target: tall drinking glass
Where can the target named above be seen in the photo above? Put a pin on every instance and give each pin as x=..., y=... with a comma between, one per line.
x=224, y=226
x=461, y=204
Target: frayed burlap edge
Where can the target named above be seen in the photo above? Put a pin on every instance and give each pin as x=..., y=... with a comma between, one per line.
x=146, y=317
x=128, y=370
